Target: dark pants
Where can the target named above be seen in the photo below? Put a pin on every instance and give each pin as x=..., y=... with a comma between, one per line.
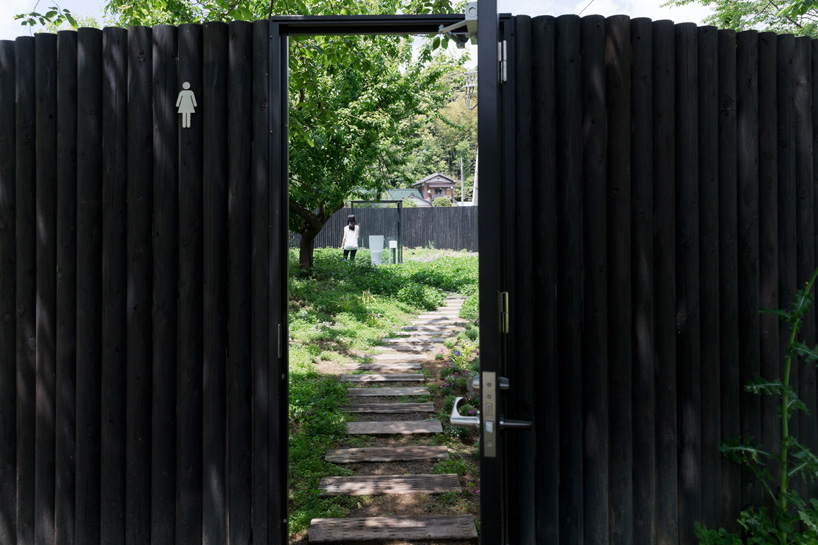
x=352, y=257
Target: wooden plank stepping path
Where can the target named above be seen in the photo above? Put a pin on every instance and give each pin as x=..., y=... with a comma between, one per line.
x=378, y=392
x=403, y=358
x=400, y=427
x=393, y=377
x=437, y=527
x=401, y=354
x=386, y=454
x=378, y=485
x=384, y=366
x=391, y=340
x=390, y=408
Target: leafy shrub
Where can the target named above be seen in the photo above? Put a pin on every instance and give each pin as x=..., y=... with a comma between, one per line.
x=442, y=202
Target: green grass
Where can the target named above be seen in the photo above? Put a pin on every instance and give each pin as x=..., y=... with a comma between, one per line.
x=340, y=309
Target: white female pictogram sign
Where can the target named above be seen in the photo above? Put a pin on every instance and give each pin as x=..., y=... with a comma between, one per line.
x=186, y=104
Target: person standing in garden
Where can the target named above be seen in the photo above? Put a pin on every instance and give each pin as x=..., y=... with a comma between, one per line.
x=350, y=241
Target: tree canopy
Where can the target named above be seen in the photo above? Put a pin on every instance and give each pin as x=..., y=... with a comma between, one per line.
x=798, y=17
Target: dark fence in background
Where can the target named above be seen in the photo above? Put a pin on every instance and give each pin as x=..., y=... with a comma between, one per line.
x=452, y=228
x=134, y=289
x=665, y=192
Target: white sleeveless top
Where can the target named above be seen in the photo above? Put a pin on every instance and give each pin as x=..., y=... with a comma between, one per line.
x=351, y=238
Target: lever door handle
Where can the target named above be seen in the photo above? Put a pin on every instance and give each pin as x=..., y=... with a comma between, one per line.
x=456, y=419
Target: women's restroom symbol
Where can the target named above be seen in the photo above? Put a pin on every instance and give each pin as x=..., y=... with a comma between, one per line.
x=186, y=104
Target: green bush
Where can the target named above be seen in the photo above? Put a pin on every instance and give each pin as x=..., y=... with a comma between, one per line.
x=442, y=202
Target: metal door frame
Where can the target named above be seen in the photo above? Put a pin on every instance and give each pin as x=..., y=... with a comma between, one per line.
x=490, y=138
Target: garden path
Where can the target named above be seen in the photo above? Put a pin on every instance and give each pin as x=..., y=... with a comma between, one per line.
x=402, y=470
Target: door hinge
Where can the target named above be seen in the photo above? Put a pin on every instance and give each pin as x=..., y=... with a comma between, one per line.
x=504, y=313
x=502, y=60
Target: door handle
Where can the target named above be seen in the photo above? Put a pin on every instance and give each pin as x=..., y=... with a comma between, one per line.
x=457, y=419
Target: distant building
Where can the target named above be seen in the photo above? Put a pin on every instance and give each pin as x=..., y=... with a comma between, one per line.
x=436, y=185
x=410, y=194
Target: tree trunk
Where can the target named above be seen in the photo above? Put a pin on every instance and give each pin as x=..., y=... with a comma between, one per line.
x=306, y=248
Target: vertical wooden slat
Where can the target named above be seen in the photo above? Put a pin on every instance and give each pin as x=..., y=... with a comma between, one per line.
x=620, y=311
x=710, y=377
x=596, y=438
x=787, y=223
x=114, y=288
x=768, y=224
x=89, y=280
x=569, y=282
x=644, y=357
x=240, y=134
x=728, y=272
x=814, y=119
x=747, y=51
x=189, y=342
x=66, y=286
x=688, y=317
x=140, y=206
x=664, y=244
x=805, y=243
x=8, y=314
x=277, y=258
x=521, y=451
x=165, y=264
x=46, y=277
x=545, y=274
x=214, y=117
x=261, y=289
x=26, y=237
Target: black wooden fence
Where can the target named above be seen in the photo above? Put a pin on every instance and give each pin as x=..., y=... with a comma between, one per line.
x=135, y=279
x=665, y=192
x=452, y=228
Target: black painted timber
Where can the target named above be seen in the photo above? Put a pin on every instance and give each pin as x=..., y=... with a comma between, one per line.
x=728, y=272
x=45, y=68
x=214, y=193
x=164, y=237
x=747, y=144
x=544, y=240
x=787, y=221
x=260, y=196
x=66, y=334
x=642, y=278
x=239, y=371
x=664, y=207
x=8, y=313
x=189, y=343
x=89, y=280
x=569, y=281
x=710, y=378
x=596, y=438
x=805, y=229
x=114, y=285
x=26, y=237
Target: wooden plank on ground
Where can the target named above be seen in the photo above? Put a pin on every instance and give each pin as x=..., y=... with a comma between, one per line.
x=425, y=339
x=377, y=485
x=390, y=408
x=403, y=358
x=385, y=366
x=395, y=377
x=458, y=527
x=378, y=392
x=386, y=454
x=409, y=427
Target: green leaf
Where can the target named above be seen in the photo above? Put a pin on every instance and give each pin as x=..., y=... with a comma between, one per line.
x=802, y=350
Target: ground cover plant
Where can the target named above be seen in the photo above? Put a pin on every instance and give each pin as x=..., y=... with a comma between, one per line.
x=337, y=313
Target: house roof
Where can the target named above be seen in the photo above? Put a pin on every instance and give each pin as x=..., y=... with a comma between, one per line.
x=436, y=179
x=400, y=194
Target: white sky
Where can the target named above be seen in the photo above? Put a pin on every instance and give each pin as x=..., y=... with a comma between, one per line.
x=9, y=28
